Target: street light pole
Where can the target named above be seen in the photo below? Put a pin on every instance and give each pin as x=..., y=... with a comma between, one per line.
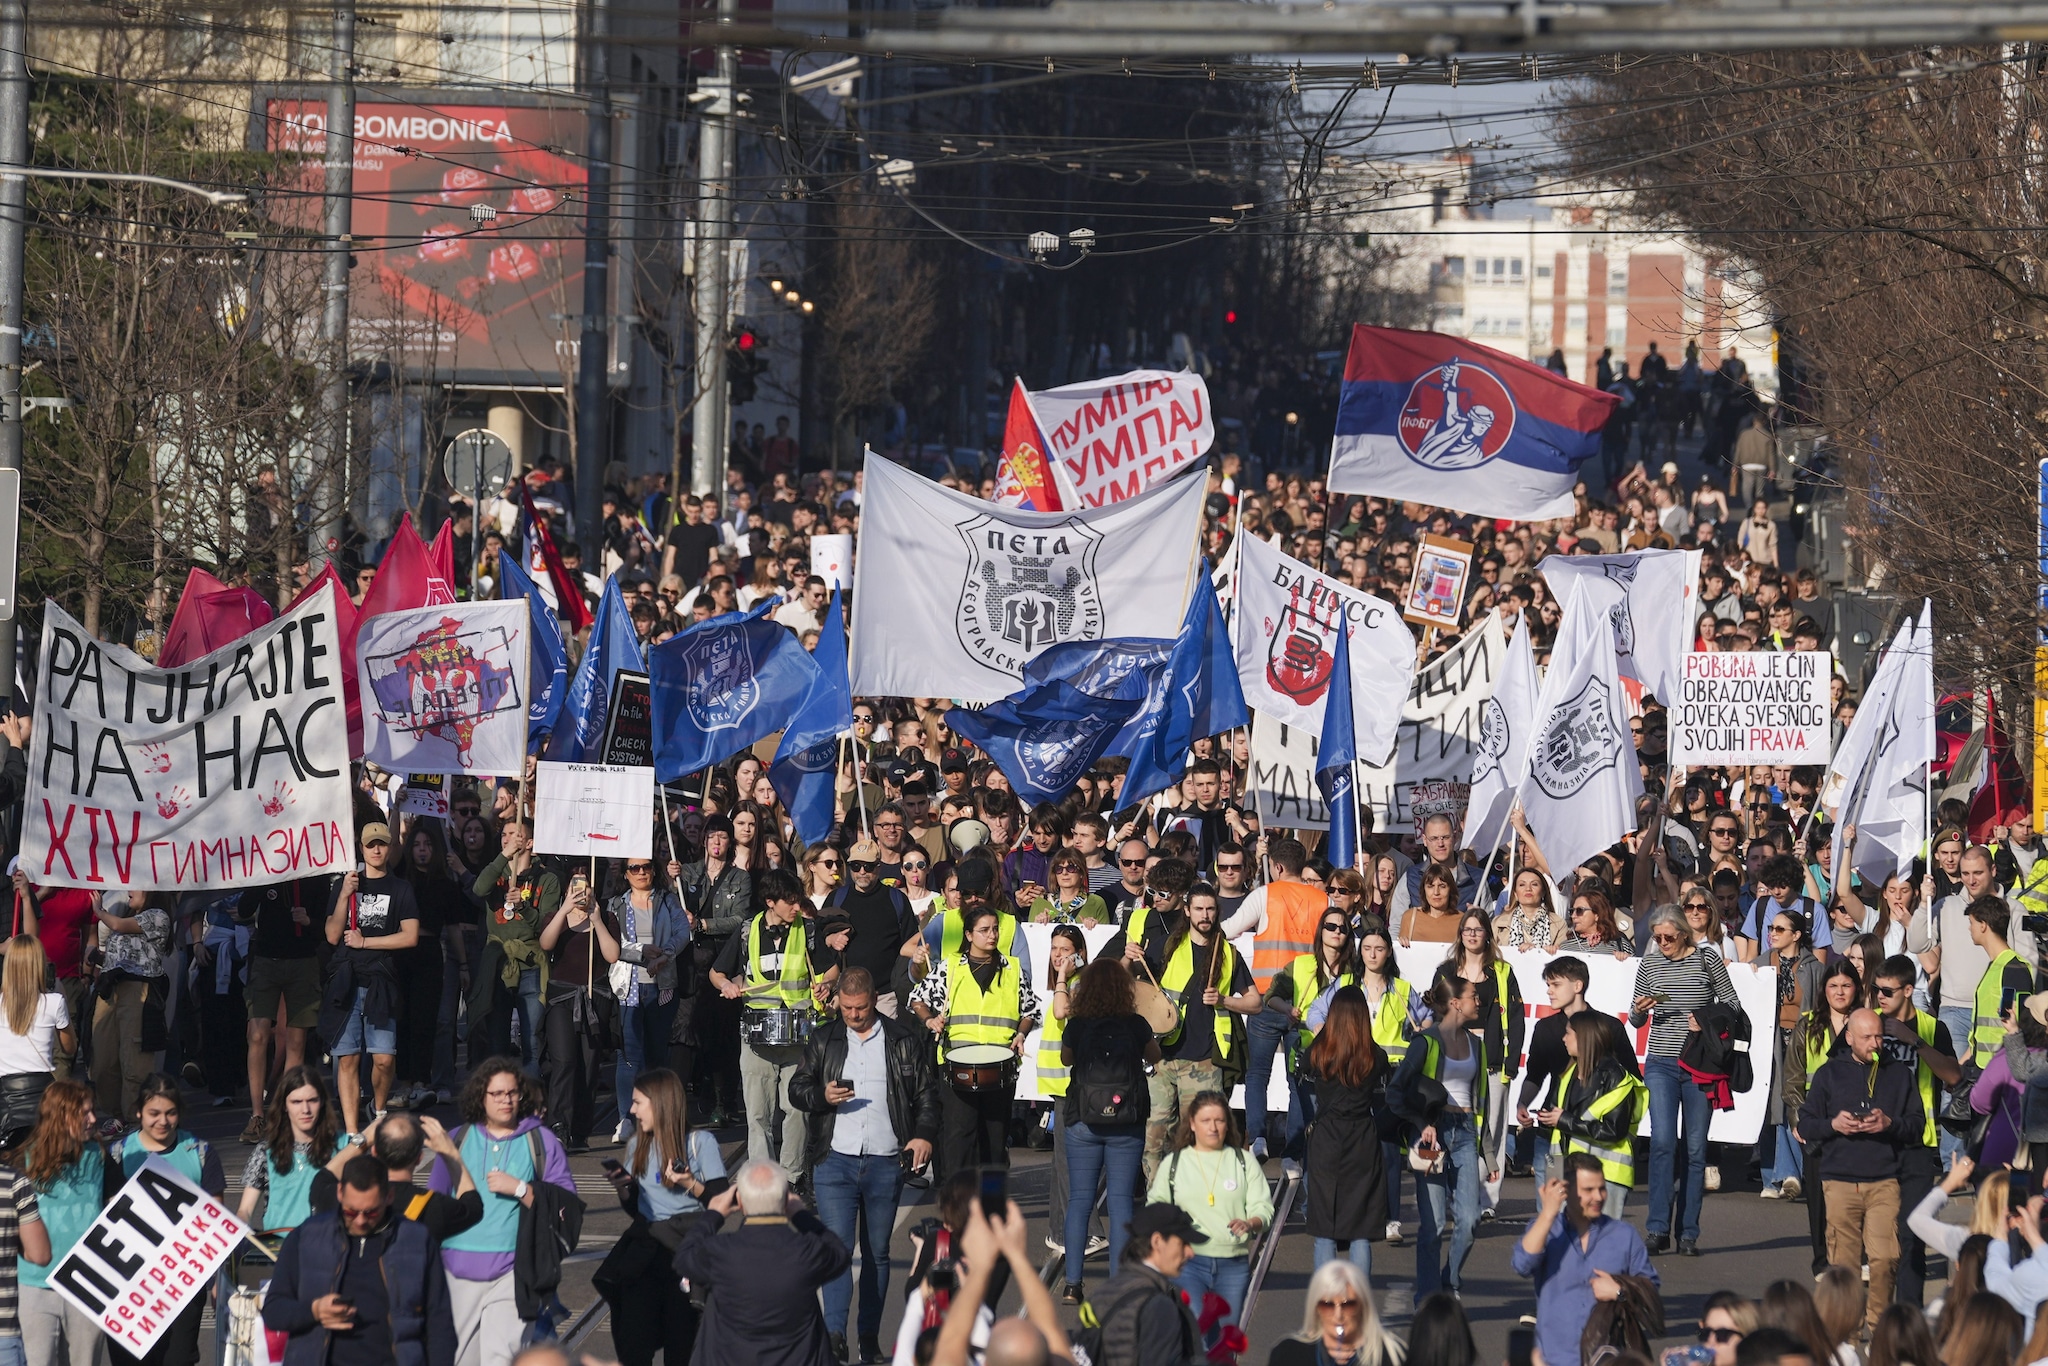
x=13, y=284
x=341, y=162
x=593, y=350
x=713, y=249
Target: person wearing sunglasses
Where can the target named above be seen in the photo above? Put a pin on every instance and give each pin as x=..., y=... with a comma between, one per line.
x=1727, y=1320
x=1133, y=857
x=885, y=929
x=1789, y=954
x=654, y=931
x=1338, y=1324
x=1916, y=1038
x=1574, y=1250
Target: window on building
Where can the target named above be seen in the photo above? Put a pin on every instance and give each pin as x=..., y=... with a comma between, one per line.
x=1617, y=336
x=200, y=38
x=1451, y=268
x=1515, y=269
x=1543, y=272
x=377, y=45
x=1500, y=268
x=1617, y=280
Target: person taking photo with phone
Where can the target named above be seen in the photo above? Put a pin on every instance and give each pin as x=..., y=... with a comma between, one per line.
x=1573, y=1249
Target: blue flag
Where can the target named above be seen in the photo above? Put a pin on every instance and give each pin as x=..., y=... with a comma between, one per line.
x=612, y=646
x=548, y=668
x=1336, y=754
x=806, y=762
x=723, y=685
x=1197, y=696
x=1046, y=736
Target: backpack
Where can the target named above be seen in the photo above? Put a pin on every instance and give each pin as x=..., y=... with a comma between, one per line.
x=1106, y=1086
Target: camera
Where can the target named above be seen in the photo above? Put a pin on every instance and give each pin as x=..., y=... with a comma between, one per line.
x=2034, y=924
x=943, y=1278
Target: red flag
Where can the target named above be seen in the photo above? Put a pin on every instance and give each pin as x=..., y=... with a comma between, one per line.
x=568, y=593
x=403, y=577
x=345, y=619
x=210, y=614
x=441, y=566
x=2004, y=795
x=1026, y=477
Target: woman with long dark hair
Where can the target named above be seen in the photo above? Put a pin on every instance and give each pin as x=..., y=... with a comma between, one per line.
x=1104, y=1031
x=1818, y=1036
x=669, y=1171
x=1600, y=1104
x=158, y=1134
x=1298, y=989
x=1594, y=928
x=73, y=1182
x=1789, y=953
x=303, y=1131
x=1446, y=1121
x=1396, y=1008
x=1476, y=958
x=420, y=968
x=1349, y=1071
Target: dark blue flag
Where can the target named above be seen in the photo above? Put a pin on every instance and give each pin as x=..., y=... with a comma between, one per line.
x=612, y=646
x=1198, y=695
x=548, y=668
x=806, y=762
x=1336, y=755
x=1045, y=737
x=723, y=685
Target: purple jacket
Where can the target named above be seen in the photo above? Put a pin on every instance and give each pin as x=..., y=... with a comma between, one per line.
x=481, y=1260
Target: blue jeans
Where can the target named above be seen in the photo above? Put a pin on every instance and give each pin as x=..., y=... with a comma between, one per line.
x=643, y=1032
x=1958, y=1019
x=1119, y=1152
x=1227, y=1276
x=864, y=1190
x=1671, y=1091
x=1460, y=1180
x=1270, y=1033
x=1788, y=1158
x=528, y=1005
x=11, y=1353
x=359, y=1036
x=1359, y=1254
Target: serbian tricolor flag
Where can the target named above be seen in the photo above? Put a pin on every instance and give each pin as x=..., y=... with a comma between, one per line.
x=1029, y=477
x=548, y=570
x=1442, y=420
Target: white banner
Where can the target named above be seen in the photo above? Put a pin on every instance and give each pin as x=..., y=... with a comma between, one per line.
x=1611, y=990
x=227, y=771
x=832, y=559
x=593, y=810
x=1441, y=734
x=1506, y=720
x=1653, y=622
x=154, y=1250
x=1281, y=781
x=1114, y=438
x=1583, y=780
x=444, y=688
x=1752, y=707
x=953, y=596
x=1285, y=630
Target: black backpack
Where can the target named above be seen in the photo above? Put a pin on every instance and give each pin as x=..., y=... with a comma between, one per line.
x=1106, y=1085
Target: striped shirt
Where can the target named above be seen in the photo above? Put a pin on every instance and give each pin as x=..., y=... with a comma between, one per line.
x=17, y=1207
x=1685, y=985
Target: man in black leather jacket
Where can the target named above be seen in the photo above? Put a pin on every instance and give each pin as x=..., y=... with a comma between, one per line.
x=869, y=1092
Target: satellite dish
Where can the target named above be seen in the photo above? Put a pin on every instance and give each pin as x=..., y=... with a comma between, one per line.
x=477, y=460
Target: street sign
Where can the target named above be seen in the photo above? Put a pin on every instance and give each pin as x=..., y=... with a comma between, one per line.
x=477, y=459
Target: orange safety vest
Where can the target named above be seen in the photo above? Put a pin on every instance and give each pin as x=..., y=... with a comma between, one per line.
x=1293, y=912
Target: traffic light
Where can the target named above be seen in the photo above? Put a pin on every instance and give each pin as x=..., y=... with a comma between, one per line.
x=743, y=364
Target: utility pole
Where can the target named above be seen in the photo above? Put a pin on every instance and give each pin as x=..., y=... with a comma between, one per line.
x=713, y=247
x=593, y=350
x=340, y=190
x=13, y=281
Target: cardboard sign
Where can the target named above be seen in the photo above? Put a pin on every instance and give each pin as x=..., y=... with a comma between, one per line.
x=230, y=770
x=832, y=560
x=1436, y=593
x=154, y=1250
x=629, y=722
x=424, y=794
x=1752, y=707
x=593, y=810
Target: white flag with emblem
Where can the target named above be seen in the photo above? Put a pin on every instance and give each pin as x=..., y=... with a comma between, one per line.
x=1654, y=618
x=1583, y=781
x=1883, y=787
x=1506, y=720
x=1285, y=630
x=953, y=596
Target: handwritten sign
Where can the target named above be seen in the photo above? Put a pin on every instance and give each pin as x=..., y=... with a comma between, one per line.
x=593, y=809
x=1752, y=707
x=1117, y=437
x=229, y=770
x=154, y=1250
x=424, y=794
x=629, y=722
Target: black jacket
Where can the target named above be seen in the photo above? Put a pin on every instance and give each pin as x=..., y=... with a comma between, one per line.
x=548, y=1231
x=760, y=1287
x=1720, y=1046
x=1145, y=1322
x=1612, y=1130
x=913, y=1084
x=1843, y=1084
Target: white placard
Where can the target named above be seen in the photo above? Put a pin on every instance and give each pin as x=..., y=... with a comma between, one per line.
x=154, y=1250
x=444, y=688
x=832, y=560
x=605, y=811
x=227, y=771
x=424, y=794
x=1752, y=707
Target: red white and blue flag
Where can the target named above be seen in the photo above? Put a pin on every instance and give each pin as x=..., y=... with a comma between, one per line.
x=1443, y=420
x=1029, y=477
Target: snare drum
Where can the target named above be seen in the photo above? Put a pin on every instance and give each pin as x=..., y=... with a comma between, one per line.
x=779, y=1027
x=981, y=1067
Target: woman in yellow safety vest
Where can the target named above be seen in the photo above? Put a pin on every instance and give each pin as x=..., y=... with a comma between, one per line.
x=1396, y=1008
x=1440, y=1090
x=1816, y=1038
x=1065, y=959
x=1599, y=1104
x=1501, y=1017
x=1331, y=963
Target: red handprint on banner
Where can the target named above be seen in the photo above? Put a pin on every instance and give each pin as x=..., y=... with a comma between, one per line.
x=280, y=797
x=168, y=807
x=156, y=758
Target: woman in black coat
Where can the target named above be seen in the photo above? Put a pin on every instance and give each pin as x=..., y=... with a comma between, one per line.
x=1347, y=1188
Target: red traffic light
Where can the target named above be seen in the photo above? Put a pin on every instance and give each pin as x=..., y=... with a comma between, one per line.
x=1230, y=317
x=745, y=340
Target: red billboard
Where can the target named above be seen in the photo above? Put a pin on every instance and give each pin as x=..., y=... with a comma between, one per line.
x=468, y=233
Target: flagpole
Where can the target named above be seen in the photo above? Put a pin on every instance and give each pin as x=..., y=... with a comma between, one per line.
x=669, y=833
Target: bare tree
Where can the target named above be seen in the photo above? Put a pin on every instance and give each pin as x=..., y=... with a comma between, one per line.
x=876, y=313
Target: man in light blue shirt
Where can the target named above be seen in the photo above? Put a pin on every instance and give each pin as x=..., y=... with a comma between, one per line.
x=1574, y=1252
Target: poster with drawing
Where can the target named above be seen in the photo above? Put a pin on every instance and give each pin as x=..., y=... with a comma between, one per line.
x=444, y=688
x=605, y=810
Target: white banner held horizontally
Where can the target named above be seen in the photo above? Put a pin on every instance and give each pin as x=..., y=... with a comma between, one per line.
x=154, y=1250
x=953, y=596
x=593, y=810
x=444, y=688
x=227, y=771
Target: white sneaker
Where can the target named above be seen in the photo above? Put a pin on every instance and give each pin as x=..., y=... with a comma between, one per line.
x=623, y=1132
x=1789, y=1188
x=1259, y=1148
x=1771, y=1193
x=1394, y=1233
x=1097, y=1245
x=1713, y=1178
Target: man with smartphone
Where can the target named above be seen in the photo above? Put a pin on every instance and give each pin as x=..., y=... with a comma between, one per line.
x=869, y=1093
x=1574, y=1250
x=374, y=915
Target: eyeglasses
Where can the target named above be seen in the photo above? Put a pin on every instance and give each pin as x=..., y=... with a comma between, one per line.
x=1223, y=867
x=1338, y=1306
x=888, y=825
x=1889, y=992
x=1131, y=863
x=1664, y=938
x=828, y=863
x=1334, y=927
x=1157, y=894
x=917, y=867
x=1781, y=929
x=1582, y=909
x=862, y=865
x=1726, y=832
x=1718, y=1335
x=864, y=716
x=495, y=1094
x=639, y=867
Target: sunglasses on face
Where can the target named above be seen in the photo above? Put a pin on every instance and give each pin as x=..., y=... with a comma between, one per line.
x=1154, y=894
x=1334, y=927
x=862, y=865
x=1131, y=862
x=1664, y=938
x=1718, y=1335
x=1582, y=910
x=1336, y=1306
x=1230, y=867
x=639, y=867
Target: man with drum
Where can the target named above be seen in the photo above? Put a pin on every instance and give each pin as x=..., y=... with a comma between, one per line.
x=768, y=968
x=979, y=1005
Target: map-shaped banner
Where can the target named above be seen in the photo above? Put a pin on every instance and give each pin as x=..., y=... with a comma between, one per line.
x=444, y=688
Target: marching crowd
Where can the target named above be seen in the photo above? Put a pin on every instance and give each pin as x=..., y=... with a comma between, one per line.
x=861, y=1005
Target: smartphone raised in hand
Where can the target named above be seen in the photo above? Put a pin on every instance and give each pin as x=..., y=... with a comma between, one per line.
x=995, y=1193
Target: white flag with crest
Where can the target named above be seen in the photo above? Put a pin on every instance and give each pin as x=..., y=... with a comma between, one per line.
x=1583, y=780
x=1506, y=720
x=1884, y=791
x=1654, y=618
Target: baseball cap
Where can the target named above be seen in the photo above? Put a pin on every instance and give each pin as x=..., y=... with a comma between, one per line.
x=968, y=834
x=864, y=851
x=2037, y=1006
x=374, y=834
x=899, y=769
x=1163, y=1221
x=954, y=761
x=1670, y=467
